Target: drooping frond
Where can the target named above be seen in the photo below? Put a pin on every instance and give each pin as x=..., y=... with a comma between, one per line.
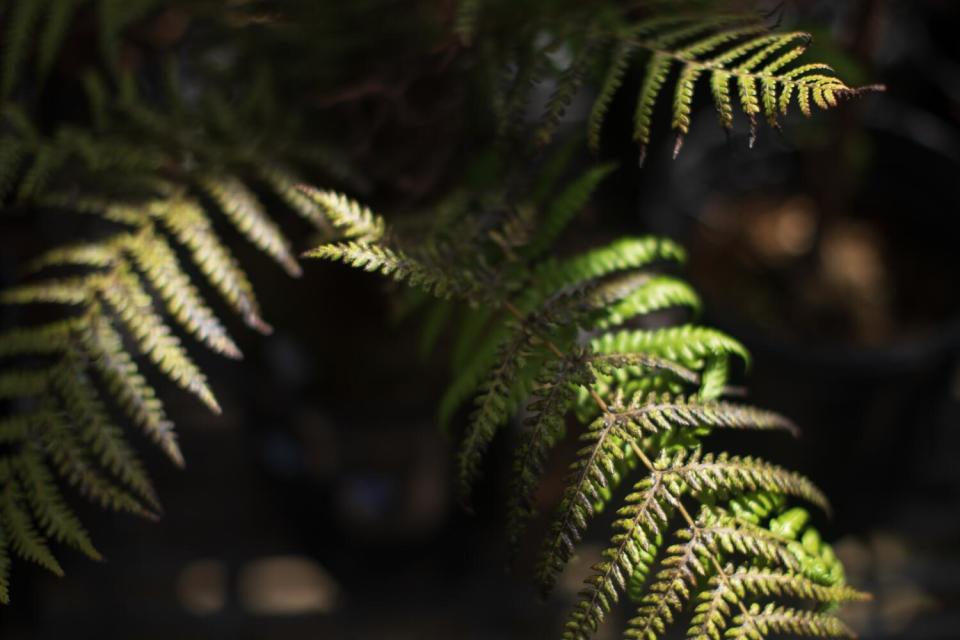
x=546, y=425
x=127, y=301
x=649, y=399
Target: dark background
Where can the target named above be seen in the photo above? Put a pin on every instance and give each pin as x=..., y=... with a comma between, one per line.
x=319, y=505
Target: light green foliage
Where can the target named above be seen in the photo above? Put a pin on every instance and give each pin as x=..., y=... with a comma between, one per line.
x=706, y=532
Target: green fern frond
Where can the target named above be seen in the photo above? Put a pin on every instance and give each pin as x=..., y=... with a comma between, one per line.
x=49, y=507
x=25, y=540
x=689, y=345
x=777, y=619
x=653, y=397
x=393, y=263
x=616, y=71
x=553, y=396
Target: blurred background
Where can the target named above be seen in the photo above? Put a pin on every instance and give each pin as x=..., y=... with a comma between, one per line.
x=319, y=505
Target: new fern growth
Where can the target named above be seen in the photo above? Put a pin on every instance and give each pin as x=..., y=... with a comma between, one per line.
x=569, y=339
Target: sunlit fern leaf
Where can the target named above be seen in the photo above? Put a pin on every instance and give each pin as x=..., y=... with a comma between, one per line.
x=714, y=378
x=689, y=345
x=724, y=48
x=623, y=254
x=189, y=224
x=156, y=259
x=775, y=619
x=124, y=293
x=545, y=337
x=242, y=208
x=493, y=408
x=291, y=191
x=649, y=414
x=353, y=220
x=393, y=263
x=638, y=535
x=658, y=293
x=726, y=475
x=548, y=277
x=123, y=381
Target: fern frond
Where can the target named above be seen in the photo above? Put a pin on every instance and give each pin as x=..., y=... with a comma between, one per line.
x=133, y=394
x=722, y=48
x=354, y=221
x=157, y=261
x=49, y=506
x=104, y=439
x=188, y=223
x=648, y=414
x=689, y=345
x=394, y=263
x=658, y=293
x=124, y=293
x=242, y=208
x=545, y=426
x=25, y=540
x=777, y=619
x=733, y=474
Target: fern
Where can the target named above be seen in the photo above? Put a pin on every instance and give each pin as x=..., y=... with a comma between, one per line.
x=567, y=346
x=701, y=531
x=714, y=48
x=125, y=298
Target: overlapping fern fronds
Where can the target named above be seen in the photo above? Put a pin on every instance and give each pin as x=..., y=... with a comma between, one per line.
x=122, y=300
x=561, y=338
x=749, y=66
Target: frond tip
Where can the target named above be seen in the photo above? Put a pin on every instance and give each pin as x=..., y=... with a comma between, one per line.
x=722, y=49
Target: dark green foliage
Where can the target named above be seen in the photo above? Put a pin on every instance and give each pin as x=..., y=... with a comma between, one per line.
x=600, y=345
